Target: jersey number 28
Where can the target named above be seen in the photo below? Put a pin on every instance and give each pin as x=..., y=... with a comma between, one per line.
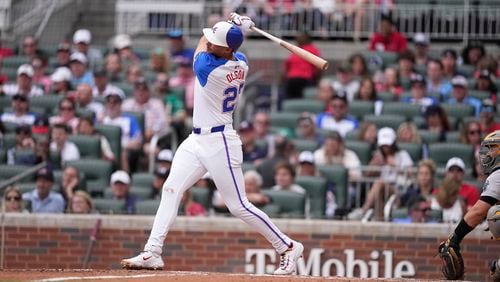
x=230, y=95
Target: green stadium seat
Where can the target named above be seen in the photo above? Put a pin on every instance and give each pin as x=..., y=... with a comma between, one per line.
x=400, y=213
x=23, y=155
x=466, y=70
x=3, y=155
x=415, y=150
x=339, y=176
x=310, y=92
x=388, y=58
x=352, y=135
x=140, y=119
x=5, y=102
x=303, y=105
x=386, y=96
x=143, y=179
x=481, y=95
x=361, y=108
x=147, y=207
x=180, y=92
x=202, y=196
x=11, y=74
x=85, y=113
x=9, y=140
x=453, y=136
x=8, y=171
x=419, y=121
x=458, y=111
x=292, y=204
x=97, y=173
x=246, y=166
x=362, y=149
x=428, y=137
x=109, y=206
x=316, y=192
x=281, y=119
x=89, y=146
x=127, y=89
x=49, y=103
x=305, y=145
x=392, y=121
x=14, y=62
x=402, y=109
x=28, y=187
x=113, y=134
x=272, y=210
x=442, y=152
x=10, y=127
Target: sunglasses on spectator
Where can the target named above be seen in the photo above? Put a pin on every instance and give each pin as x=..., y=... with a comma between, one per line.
x=14, y=198
x=473, y=132
x=66, y=109
x=28, y=44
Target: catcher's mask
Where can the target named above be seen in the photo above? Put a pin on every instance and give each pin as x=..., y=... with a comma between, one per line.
x=489, y=152
x=493, y=219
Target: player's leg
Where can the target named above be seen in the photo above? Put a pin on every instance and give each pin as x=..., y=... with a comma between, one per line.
x=186, y=170
x=225, y=169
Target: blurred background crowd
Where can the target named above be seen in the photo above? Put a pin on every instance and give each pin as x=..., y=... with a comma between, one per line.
x=391, y=133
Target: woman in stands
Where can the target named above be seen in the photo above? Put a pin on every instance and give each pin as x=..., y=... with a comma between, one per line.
x=368, y=133
x=80, y=203
x=359, y=66
x=67, y=115
x=423, y=186
x=436, y=121
x=408, y=133
x=13, y=200
x=471, y=134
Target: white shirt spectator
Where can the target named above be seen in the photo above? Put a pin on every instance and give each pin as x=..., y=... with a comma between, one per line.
x=326, y=121
x=13, y=89
x=155, y=117
x=128, y=124
x=69, y=152
x=28, y=118
x=452, y=214
x=294, y=188
x=351, y=89
x=109, y=89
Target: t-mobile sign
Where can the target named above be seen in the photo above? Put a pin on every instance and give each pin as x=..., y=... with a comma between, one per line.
x=266, y=259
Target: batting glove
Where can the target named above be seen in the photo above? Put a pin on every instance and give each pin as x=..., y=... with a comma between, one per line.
x=243, y=22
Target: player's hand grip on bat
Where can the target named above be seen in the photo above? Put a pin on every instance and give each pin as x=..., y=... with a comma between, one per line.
x=243, y=22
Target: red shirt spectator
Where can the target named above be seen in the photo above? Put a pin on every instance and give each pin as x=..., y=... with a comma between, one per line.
x=469, y=193
x=387, y=39
x=297, y=67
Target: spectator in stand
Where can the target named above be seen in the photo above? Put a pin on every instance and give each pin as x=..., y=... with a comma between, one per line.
x=184, y=78
x=345, y=81
x=306, y=129
x=20, y=113
x=424, y=185
x=70, y=182
x=177, y=47
x=131, y=139
x=436, y=120
x=408, y=133
x=86, y=127
x=368, y=133
x=325, y=91
x=42, y=198
x=449, y=60
x=13, y=200
x=393, y=163
x=5, y=51
x=81, y=40
x=471, y=134
x=41, y=125
x=418, y=93
x=307, y=164
x=24, y=142
x=101, y=84
x=39, y=65
x=80, y=203
x=473, y=53
x=79, y=71
x=488, y=113
x=337, y=119
x=389, y=83
x=359, y=66
x=435, y=81
x=406, y=63
x=66, y=115
x=284, y=176
x=488, y=62
x=42, y=150
x=160, y=177
x=261, y=125
x=85, y=101
x=485, y=82
x=61, y=81
x=63, y=54
x=120, y=186
x=164, y=160
x=334, y=152
x=24, y=83
x=133, y=73
x=159, y=61
x=367, y=91
x=190, y=207
x=155, y=118
x=122, y=43
x=387, y=39
x=447, y=199
x=300, y=73
x=455, y=169
x=30, y=47
x=283, y=151
x=421, y=42
x=251, y=152
x=418, y=211
x=60, y=144
x=460, y=94
x=113, y=66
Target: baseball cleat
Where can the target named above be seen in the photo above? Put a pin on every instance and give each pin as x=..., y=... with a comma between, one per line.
x=288, y=260
x=145, y=260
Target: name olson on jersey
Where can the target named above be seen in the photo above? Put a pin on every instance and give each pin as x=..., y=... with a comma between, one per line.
x=237, y=74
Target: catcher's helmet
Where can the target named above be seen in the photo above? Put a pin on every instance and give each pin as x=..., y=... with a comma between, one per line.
x=490, y=152
x=493, y=219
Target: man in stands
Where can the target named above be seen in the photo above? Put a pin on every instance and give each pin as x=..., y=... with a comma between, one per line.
x=42, y=198
x=455, y=168
x=20, y=113
x=337, y=119
x=81, y=40
x=387, y=39
x=24, y=83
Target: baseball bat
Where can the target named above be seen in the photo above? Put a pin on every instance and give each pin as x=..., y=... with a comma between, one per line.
x=318, y=62
x=93, y=239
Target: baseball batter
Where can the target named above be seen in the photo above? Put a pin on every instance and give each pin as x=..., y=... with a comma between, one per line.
x=214, y=146
x=486, y=207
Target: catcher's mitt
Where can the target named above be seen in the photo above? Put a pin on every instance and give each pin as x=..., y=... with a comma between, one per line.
x=453, y=263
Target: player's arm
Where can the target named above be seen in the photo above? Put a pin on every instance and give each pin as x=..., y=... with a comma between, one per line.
x=202, y=45
x=477, y=213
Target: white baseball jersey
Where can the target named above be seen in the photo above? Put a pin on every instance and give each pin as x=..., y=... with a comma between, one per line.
x=219, y=84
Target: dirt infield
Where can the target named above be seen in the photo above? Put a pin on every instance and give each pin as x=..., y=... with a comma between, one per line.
x=48, y=275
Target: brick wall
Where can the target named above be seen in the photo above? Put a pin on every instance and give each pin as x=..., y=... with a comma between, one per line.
x=205, y=244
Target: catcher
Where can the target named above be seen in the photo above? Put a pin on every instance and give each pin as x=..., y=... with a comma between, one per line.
x=486, y=207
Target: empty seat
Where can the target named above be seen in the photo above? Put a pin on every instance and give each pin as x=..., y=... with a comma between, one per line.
x=316, y=192
x=142, y=179
x=291, y=204
x=8, y=171
x=109, y=206
x=148, y=207
x=338, y=176
x=415, y=150
x=305, y=145
x=49, y=103
x=402, y=109
x=362, y=149
x=479, y=94
x=361, y=108
x=113, y=134
x=310, y=92
x=97, y=173
x=303, y=105
x=89, y=146
x=14, y=62
x=458, y=110
x=442, y=152
x=392, y=121
x=281, y=119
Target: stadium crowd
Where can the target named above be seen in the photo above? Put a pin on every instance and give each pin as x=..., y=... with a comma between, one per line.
x=405, y=124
